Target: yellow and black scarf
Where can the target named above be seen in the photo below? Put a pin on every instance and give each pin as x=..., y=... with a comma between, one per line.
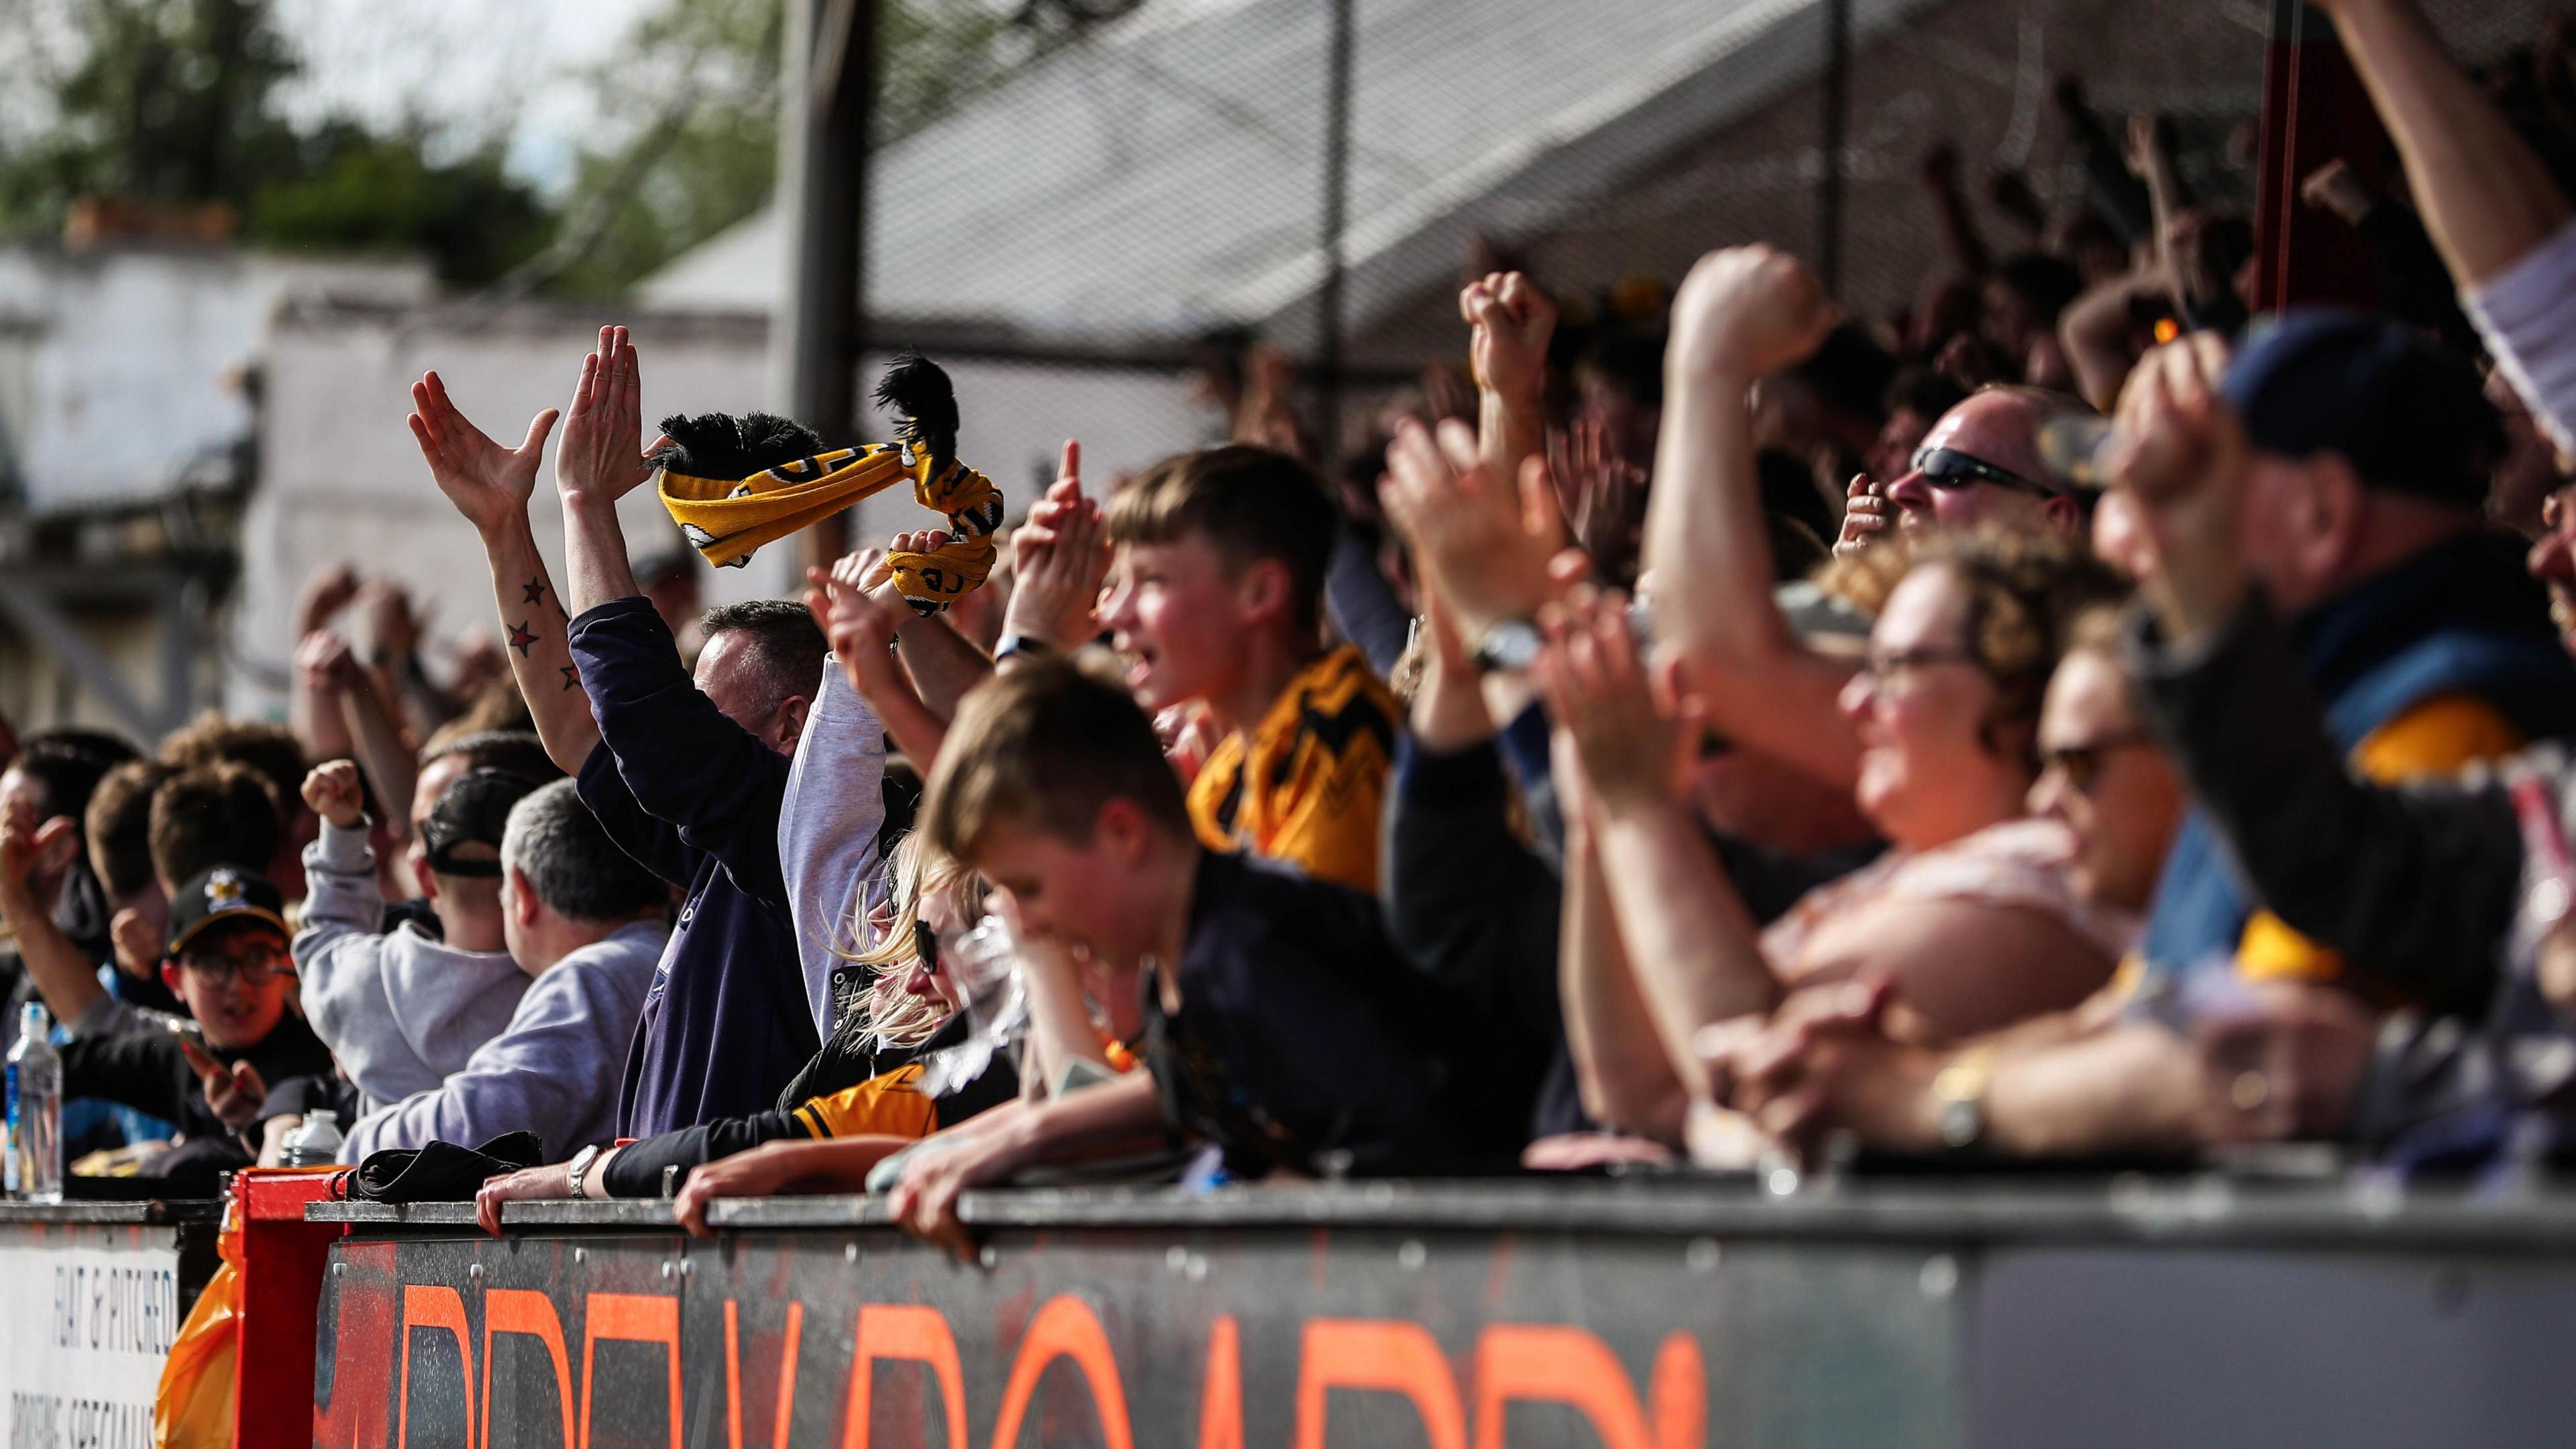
x=733, y=483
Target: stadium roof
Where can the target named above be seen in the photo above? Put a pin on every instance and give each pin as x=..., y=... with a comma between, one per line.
x=1163, y=176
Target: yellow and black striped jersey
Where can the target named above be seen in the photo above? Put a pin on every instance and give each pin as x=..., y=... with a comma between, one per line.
x=1306, y=785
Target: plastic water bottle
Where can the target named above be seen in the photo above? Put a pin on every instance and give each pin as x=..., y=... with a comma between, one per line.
x=316, y=1142
x=35, y=1172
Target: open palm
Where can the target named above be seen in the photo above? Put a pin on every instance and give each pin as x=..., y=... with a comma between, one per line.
x=600, y=458
x=488, y=483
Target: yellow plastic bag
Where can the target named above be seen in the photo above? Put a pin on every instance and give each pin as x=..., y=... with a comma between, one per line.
x=194, y=1408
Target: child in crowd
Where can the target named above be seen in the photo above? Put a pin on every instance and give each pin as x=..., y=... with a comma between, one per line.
x=1221, y=556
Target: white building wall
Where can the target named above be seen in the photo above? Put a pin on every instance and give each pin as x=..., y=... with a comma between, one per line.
x=118, y=366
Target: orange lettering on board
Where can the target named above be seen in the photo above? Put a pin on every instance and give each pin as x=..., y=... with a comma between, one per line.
x=1381, y=1354
x=786, y=1374
x=432, y=1307
x=630, y=1318
x=917, y=1334
x=1221, y=1402
x=1571, y=1366
x=1066, y=1328
x=519, y=1310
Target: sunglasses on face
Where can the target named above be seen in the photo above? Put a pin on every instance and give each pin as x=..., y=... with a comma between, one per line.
x=925, y=945
x=2082, y=764
x=1948, y=468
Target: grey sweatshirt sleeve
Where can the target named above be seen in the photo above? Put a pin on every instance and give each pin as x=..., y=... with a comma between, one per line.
x=339, y=955
x=827, y=830
x=555, y=1071
x=2342, y=861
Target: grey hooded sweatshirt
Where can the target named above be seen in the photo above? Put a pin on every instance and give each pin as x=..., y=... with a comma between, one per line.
x=402, y=1012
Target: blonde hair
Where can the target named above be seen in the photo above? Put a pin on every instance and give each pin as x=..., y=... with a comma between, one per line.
x=915, y=875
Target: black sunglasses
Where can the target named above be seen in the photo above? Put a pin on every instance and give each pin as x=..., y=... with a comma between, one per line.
x=925, y=945
x=1948, y=468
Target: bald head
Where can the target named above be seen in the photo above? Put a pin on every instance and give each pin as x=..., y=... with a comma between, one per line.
x=1995, y=436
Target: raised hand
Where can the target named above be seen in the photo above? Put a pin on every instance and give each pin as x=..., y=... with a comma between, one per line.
x=602, y=458
x=1058, y=559
x=1485, y=546
x=488, y=483
x=855, y=604
x=1510, y=321
x=1602, y=495
x=325, y=659
x=331, y=791
x=1865, y=517
x=1629, y=735
x=1748, y=312
x=326, y=593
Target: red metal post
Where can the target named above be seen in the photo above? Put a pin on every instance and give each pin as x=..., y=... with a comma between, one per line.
x=281, y=1281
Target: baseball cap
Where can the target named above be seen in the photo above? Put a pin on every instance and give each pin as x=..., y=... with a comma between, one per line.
x=472, y=812
x=2410, y=417
x=220, y=894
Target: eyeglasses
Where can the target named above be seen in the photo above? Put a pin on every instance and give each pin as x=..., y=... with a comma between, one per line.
x=1889, y=666
x=2082, y=764
x=256, y=967
x=1948, y=468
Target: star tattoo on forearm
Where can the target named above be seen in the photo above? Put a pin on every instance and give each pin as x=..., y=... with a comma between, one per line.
x=521, y=636
x=535, y=589
x=572, y=676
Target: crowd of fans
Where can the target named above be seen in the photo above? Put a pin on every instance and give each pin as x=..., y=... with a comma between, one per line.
x=2080, y=719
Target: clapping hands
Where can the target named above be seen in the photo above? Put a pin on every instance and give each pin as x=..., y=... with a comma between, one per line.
x=1058, y=559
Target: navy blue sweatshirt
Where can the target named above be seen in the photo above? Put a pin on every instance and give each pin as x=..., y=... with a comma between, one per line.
x=695, y=798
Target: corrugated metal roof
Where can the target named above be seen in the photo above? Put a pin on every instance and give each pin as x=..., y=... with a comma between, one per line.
x=1165, y=175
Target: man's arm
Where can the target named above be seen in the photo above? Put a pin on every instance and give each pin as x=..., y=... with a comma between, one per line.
x=490, y=485
x=1624, y=1073
x=827, y=830
x=2485, y=195
x=1687, y=932
x=1509, y=322
x=1741, y=315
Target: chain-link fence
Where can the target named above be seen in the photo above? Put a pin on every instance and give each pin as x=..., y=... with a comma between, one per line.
x=1163, y=189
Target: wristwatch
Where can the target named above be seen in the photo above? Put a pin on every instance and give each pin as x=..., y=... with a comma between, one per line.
x=1510, y=647
x=580, y=1164
x=1960, y=1092
x=1011, y=644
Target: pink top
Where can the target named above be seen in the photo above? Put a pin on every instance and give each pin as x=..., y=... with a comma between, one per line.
x=2019, y=863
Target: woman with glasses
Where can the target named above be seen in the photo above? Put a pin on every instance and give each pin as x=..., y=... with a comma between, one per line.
x=1978, y=915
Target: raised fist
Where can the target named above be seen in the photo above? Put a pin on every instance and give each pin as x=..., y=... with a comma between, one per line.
x=1750, y=311
x=331, y=790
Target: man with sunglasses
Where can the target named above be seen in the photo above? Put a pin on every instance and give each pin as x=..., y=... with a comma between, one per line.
x=1980, y=465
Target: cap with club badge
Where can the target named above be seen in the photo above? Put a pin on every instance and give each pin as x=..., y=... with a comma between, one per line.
x=220, y=895
x=462, y=836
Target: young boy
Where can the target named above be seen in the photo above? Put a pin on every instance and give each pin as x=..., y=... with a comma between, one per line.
x=404, y=1010
x=1281, y=1024
x=227, y=961
x=1221, y=556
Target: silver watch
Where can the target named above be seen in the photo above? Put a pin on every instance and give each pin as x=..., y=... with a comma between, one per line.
x=580, y=1164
